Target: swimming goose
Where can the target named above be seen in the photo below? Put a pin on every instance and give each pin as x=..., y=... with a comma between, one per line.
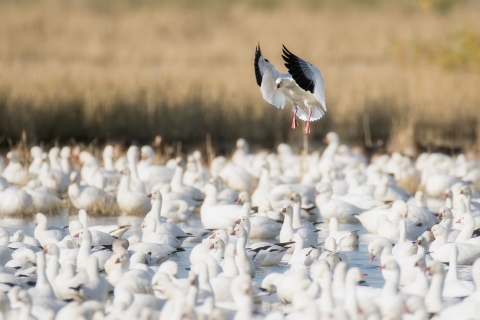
x=155, y=214
x=223, y=216
x=44, y=234
x=178, y=186
x=286, y=232
x=344, y=239
x=113, y=230
x=150, y=173
x=98, y=238
x=261, y=227
x=329, y=207
x=331, y=255
x=89, y=198
x=303, y=254
x=368, y=219
x=129, y=199
x=391, y=229
x=149, y=235
x=271, y=254
x=85, y=251
x=440, y=250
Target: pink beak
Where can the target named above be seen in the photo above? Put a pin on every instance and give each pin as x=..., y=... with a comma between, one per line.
x=238, y=200
x=232, y=233
x=237, y=221
x=149, y=195
x=277, y=86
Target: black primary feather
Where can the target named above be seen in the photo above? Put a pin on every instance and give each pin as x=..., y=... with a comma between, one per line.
x=258, y=74
x=302, y=75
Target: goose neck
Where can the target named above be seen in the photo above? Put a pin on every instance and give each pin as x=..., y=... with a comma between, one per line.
x=467, y=230
x=246, y=208
x=433, y=300
x=296, y=221
x=177, y=177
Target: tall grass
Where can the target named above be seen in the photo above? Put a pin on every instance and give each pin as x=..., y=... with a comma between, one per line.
x=130, y=70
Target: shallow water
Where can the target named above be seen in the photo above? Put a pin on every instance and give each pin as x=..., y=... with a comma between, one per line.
x=357, y=258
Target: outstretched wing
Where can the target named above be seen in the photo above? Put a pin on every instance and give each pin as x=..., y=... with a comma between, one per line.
x=306, y=75
x=266, y=75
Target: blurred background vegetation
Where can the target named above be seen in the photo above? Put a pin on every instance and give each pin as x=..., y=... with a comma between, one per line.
x=405, y=72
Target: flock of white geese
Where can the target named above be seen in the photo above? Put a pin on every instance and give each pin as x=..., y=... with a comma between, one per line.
x=257, y=211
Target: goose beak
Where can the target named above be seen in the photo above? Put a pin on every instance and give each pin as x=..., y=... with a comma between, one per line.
x=461, y=191
x=237, y=221
x=232, y=233
x=211, y=236
x=458, y=221
x=238, y=201
x=364, y=275
x=372, y=256
x=439, y=216
x=149, y=195
x=277, y=86
x=211, y=246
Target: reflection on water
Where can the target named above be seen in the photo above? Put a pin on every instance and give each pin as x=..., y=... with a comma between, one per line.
x=357, y=258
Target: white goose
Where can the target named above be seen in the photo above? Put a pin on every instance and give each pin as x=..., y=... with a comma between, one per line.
x=155, y=214
x=242, y=259
x=261, y=227
x=178, y=186
x=273, y=253
x=329, y=207
x=454, y=287
x=44, y=234
x=440, y=250
x=113, y=230
x=149, y=235
x=403, y=247
x=89, y=198
x=129, y=199
x=14, y=201
x=150, y=173
x=345, y=238
x=302, y=87
x=303, y=254
x=309, y=236
x=85, y=251
x=222, y=216
x=368, y=219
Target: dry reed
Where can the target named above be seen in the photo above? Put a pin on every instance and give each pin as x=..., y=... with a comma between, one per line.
x=130, y=70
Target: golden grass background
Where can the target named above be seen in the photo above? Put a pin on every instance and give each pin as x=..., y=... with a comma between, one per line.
x=407, y=72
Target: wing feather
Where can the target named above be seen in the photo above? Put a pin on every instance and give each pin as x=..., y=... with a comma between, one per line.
x=306, y=75
x=266, y=75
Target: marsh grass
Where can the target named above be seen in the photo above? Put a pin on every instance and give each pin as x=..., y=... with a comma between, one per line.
x=130, y=70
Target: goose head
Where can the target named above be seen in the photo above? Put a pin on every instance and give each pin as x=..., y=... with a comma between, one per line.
x=244, y=221
x=156, y=195
x=296, y=197
x=287, y=210
x=445, y=213
x=244, y=197
x=74, y=227
x=217, y=244
x=239, y=231
x=377, y=246
x=51, y=249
